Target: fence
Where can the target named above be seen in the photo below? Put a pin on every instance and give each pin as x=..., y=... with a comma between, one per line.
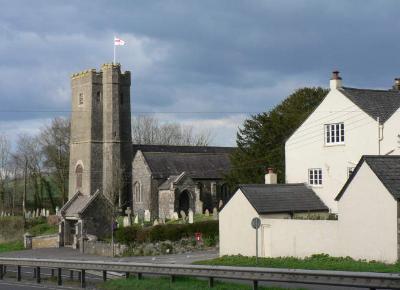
x=253, y=274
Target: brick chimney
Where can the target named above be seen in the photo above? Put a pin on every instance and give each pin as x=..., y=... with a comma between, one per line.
x=271, y=177
x=336, y=81
x=396, y=86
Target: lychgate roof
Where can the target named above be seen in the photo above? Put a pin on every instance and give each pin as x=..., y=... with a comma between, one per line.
x=281, y=198
x=385, y=167
x=376, y=103
x=77, y=204
x=195, y=165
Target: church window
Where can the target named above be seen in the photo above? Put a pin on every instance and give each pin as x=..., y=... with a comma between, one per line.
x=137, y=189
x=79, y=173
x=225, y=195
x=80, y=99
x=98, y=97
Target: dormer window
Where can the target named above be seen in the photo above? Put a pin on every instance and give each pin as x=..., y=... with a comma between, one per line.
x=334, y=134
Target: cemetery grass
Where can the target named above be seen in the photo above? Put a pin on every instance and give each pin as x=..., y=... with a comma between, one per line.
x=314, y=262
x=181, y=283
x=11, y=246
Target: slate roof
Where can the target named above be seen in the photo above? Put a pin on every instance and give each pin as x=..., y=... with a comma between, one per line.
x=77, y=204
x=181, y=149
x=385, y=167
x=281, y=198
x=195, y=165
x=376, y=103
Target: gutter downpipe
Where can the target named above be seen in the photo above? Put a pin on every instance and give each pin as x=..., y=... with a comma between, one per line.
x=380, y=135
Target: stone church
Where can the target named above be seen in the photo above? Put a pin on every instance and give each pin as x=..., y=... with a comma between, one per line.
x=106, y=168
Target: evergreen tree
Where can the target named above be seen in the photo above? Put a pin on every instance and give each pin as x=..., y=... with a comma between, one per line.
x=261, y=140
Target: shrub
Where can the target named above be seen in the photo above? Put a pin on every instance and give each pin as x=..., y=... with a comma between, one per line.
x=126, y=235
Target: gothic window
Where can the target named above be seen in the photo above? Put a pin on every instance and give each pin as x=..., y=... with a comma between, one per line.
x=137, y=191
x=80, y=99
x=78, y=173
x=225, y=195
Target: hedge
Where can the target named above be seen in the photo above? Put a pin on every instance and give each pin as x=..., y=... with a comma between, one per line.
x=170, y=232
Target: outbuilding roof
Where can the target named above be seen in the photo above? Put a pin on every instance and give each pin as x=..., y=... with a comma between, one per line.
x=195, y=165
x=376, y=103
x=77, y=204
x=282, y=198
x=385, y=167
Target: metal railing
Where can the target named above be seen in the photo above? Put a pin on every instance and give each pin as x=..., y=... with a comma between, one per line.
x=253, y=274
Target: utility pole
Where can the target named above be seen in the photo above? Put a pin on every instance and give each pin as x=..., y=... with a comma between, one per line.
x=25, y=185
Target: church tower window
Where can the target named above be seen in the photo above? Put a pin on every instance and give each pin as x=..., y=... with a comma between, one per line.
x=80, y=99
x=79, y=173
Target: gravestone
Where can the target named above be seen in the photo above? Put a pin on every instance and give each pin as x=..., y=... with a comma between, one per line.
x=175, y=216
x=183, y=215
x=215, y=213
x=136, y=221
x=47, y=212
x=57, y=210
x=221, y=204
x=147, y=215
x=128, y=218
x=126, y=222
x=190, y=216
x=155, y=222
x=207, y=213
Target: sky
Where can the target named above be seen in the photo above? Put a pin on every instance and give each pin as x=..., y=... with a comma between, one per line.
x=209, y=64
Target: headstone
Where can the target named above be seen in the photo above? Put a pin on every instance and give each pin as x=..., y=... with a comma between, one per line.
x=43, y=212
x=155, y=222
x=127, y=222
x=175, y=216
x=190, y=216
x=57, y=210
x=215, y=213
x=221, y=204
x=128, y=219
x=183, y=215
x=136, y=221
x=147, y=215
x=207, y=213
x=47, y=212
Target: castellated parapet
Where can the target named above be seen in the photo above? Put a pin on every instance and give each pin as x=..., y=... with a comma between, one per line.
x=101, y=153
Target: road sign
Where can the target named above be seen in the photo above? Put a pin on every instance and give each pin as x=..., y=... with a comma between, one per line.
x=256, y=223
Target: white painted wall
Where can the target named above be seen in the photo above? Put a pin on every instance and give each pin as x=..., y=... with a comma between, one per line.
x=299, y=238
x=391, y=130
x=235, y=232
x=306, y=147
x=368, y=219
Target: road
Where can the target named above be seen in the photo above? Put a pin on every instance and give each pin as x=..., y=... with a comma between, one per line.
x=70, y=254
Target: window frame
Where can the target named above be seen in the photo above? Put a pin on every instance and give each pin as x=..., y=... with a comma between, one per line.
x=81, y=100
x=315, y=177
x=78, y=176
x=334, y=134
x=137, y=191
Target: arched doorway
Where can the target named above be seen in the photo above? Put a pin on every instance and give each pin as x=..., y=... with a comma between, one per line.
x=184, y=202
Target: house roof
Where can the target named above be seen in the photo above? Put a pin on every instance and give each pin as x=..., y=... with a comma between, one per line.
x=77, y=204
x=385, y=167
x=376, y=103
x=181, y=149
x=195, y=165
x=280, y=198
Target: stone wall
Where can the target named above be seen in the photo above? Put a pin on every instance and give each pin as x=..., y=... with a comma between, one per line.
x=47, y=241
x=103, y=248
x=141, y=174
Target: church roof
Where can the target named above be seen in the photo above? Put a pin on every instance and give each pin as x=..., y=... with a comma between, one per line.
x=376, y=103
x=282, y=198
x=77, y=205
x=195, y=165
x=180, y=149
x=385, y=167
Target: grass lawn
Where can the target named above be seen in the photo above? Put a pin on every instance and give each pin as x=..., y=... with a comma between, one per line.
x=315, y=262
x=13, y=246
x=181, y=283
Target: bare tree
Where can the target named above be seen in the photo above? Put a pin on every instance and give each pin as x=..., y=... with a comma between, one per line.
x=5, y=151
x=54, y=140
x=148, y=130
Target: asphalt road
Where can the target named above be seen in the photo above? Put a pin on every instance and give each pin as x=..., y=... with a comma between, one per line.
x=66, y=253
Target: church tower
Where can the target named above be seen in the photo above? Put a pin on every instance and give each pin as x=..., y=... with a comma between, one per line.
x=101, y=142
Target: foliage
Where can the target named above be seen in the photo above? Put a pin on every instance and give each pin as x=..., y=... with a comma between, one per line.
x=261, y=140
x=43, y=229
x=181, y=283
x=12, y=246
x=314, y=262
x=11, y=228
x=170, y=232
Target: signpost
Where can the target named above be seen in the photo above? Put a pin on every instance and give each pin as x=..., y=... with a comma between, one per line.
x=256, y=223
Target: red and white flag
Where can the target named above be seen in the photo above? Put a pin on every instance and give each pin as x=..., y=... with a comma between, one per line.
x=118, y=41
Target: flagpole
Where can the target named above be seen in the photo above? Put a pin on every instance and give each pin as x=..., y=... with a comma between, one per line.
x=114, y=50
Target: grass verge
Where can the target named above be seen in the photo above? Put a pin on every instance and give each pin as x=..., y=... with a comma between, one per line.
x=11, y=246
x=315, y=262
x=181, y=283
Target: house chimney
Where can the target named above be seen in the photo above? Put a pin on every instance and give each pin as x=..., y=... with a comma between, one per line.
x=336, y=80
x=396, y=85
x=271, y=177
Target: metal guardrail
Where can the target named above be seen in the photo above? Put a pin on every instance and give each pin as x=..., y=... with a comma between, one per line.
x=254, y=274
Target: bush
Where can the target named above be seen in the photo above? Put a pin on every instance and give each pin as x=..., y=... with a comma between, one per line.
x=167, y=232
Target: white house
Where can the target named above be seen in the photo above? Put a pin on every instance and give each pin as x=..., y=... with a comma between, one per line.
x=368, y=225
x=347, y=124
